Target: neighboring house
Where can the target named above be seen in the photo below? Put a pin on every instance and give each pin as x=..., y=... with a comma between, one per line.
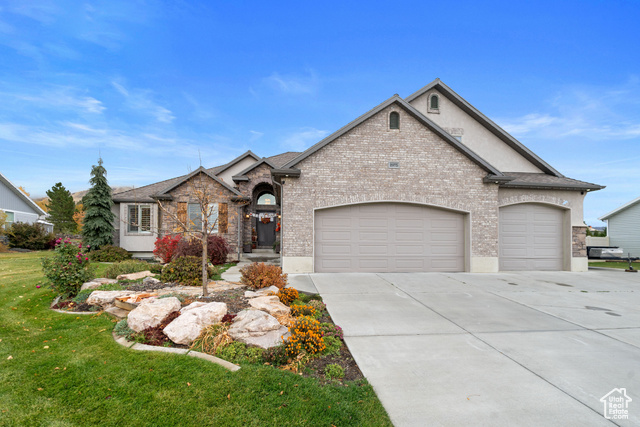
x=425, y=183
x=623, y=227
x=19, y=207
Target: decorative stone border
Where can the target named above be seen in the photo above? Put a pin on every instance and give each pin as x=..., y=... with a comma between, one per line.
x=143, y=347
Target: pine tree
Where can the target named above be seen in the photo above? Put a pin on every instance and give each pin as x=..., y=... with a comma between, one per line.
x=61, y=208
x=98, y=219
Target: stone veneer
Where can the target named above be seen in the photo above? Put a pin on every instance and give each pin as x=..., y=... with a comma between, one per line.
x=354, y=168
x=579, y=241
x=182, y=193
x=257, y=176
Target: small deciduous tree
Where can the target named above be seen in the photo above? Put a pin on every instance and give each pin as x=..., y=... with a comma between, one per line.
x=61, y=208
x=98, y=219
x=78, y=217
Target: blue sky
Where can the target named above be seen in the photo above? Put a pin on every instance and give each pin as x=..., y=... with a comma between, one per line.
x=153, y=86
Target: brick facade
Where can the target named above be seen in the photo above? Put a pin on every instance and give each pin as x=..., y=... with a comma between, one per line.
x=183, y=193
x=354, y=168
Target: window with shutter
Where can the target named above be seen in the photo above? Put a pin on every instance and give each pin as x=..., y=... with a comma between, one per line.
x=134, y=219
x=223, y=218
x=195, y=216
x=212, y=221
x=182, y=212
x=139, y=218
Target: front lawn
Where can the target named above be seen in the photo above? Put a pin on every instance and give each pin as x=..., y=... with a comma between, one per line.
x=616, y=264
x=63, y=369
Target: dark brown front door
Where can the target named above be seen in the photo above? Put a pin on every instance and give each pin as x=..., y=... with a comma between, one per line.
x=266, y=233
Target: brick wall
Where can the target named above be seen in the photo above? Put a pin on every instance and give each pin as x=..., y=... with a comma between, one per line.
x=183, y=193
x=354, y=168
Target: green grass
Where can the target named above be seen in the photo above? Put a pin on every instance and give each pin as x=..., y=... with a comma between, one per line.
x=222, y=269
x=85, y=378
x=616, y=264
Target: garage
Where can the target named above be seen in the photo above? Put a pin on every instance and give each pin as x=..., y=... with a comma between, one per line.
x=388, y=237
x=531, y=237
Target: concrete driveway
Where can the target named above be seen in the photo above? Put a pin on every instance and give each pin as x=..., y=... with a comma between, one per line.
x=538, y=348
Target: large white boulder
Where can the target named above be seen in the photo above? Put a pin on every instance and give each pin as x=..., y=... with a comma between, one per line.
x=106, y=298
x=262, y=292
x=270, y=304
x=135, y=276
x=255, y=327
x=150, y=314
x=186, y=328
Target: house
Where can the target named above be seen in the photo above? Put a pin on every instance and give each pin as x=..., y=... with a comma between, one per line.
x=423, y=183
x=623, y=227
x=19, y=207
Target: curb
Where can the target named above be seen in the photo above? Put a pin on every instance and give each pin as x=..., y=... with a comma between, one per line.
x=143, y=347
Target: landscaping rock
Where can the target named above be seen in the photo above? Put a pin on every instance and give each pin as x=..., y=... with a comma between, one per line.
x=270, y=304
x=135, y=276
x=255, y=327
x=97, y=282
x=105, y=299
x=262, y=292
x=150, y=314
x=150, y=281
x=186, y=328
x=192, y=306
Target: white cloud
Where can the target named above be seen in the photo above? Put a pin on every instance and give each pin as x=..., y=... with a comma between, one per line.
x=140, y=100
x=293, y=84
x=592, y=113
x=303, y=138
x=62, y=97
x=255, y=135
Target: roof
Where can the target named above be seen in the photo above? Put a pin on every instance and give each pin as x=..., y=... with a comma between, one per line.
x=486, y=122
x=242, y=175
x=183, y=179
x=281, y=159
x=543, y=181
x=412, y=111
x=620, y=209
x=238, y=159
x=21, y=195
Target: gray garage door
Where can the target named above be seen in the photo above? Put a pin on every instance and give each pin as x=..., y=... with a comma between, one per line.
x=530, y=237
x=388, y=237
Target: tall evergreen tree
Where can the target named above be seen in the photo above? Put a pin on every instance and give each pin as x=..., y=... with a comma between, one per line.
x=61, y=208
x=98, y=219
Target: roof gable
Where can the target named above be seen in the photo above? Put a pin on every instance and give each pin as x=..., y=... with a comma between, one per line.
x=21, y=196
x=620, y=209
x=485, y=122
x=166, y=191
x=237, y=160
x=413, y=112
x=242, y=175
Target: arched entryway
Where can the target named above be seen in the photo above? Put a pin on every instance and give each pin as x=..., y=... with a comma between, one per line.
x=265, y=216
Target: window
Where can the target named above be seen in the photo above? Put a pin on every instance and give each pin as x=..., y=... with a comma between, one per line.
x=267, y=199
x=434, y=103
x=9, y=219
x=394, y=120
x=195, y=217
x=139, y=219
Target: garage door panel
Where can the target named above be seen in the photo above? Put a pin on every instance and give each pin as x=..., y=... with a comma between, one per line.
x=390, y=237
x=531, y=237
x=332, y=250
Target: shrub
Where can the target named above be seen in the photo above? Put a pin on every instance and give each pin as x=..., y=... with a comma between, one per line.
x=276, y=356
x=125, y=267
x=28, y=236
x=331, y=330
x=211, y=338
x=333, y=371
x=155, y=268
x=319, y=306
x=237, y=352
x=3, y=248
x=332, y=346
x=261, y=275
x=165, y=247
x=122, y=329
x=109, y=253
x=185, y=270
x=287, y=295
x=303, y=310
x=217, y=249
x=67, y=269
x=305, y=336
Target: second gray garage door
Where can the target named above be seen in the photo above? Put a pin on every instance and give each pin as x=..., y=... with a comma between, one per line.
x=531, y=237
x=388, y=237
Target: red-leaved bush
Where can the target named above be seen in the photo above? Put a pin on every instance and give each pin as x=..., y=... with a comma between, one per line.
x=166, y=247
x=217, y=249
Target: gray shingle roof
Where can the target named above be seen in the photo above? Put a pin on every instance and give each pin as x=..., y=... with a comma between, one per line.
x=543, y=180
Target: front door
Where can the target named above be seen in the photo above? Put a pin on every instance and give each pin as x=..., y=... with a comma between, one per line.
x=266, y=233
